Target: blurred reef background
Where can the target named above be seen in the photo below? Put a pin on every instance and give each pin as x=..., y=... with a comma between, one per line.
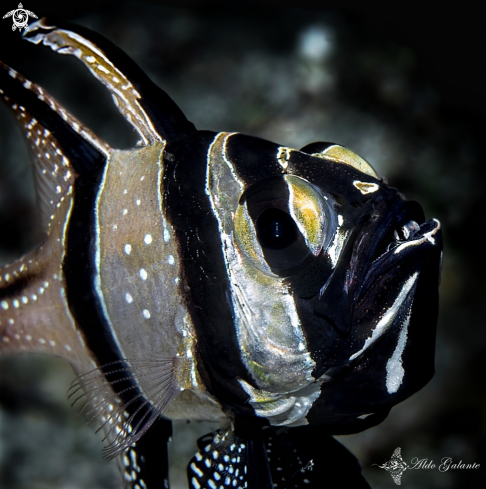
x=403, y=87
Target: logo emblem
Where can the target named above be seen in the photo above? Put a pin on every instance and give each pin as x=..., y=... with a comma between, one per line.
x=20, y=17
x=396, y=466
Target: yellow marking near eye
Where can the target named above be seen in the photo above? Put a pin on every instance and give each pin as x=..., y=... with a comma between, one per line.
x=343, y=155
x=246, y=237
x=305, y=206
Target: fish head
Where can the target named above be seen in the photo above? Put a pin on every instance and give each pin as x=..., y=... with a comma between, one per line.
x=331, y=277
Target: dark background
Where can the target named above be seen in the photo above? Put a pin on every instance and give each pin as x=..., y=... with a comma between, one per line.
x=402, y=85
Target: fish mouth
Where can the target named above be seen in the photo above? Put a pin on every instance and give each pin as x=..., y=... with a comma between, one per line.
x=385, y=259
x=379, y=350
x=394, y=282
x=420, y=239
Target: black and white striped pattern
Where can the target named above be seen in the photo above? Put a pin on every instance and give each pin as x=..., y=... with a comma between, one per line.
x=282, y=288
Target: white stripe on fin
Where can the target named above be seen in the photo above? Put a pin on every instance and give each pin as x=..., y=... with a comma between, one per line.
x=389, y=316
x=394, y=366
x=54, y=175
x=124, y=94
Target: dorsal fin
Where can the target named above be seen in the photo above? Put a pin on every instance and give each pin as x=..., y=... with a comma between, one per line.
x=149, y=109
x=62, y=148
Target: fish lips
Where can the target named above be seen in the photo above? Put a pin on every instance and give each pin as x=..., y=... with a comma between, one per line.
x=386, y=354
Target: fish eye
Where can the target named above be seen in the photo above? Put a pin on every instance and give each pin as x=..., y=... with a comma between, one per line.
x=281, y=223
x=275, y=229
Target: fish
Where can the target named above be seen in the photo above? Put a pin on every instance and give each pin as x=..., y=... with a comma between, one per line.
x=288, y=295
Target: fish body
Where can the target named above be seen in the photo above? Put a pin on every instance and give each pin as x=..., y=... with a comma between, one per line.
x=287, y=294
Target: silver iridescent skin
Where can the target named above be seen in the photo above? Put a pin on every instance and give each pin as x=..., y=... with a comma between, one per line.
x=215, y=276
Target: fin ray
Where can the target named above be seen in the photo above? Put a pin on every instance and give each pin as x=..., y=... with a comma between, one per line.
x=152, y=113
x=51, y=136
x=121, y=428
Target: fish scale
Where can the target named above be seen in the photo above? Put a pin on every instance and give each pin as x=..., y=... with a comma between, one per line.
x=288, y=295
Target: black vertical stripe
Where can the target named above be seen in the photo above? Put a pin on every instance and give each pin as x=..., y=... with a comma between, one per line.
x=84, y=303
x=80, y=270
x=205, y=280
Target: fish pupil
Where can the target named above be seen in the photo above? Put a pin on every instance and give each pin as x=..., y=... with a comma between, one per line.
x=275, y=229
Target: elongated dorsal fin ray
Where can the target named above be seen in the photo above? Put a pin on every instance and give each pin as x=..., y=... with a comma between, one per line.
x=149, y=109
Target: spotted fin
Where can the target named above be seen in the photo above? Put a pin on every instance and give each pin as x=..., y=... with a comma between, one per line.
x=149, y=109
x=225, y=459
x=61, y=146
x=34, y=315
x=296, y=458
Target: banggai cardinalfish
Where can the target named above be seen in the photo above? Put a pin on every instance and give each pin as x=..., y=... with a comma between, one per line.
x=287, y=294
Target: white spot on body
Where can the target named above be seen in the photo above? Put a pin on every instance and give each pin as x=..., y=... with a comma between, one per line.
x=166, y=235
x=128, y=298
x=143, y=274
x=15, y=303
x=125, y=212
x=147, y=239
x=170, y=260
x=4, y=304
x=146, y=314
x=128, y=249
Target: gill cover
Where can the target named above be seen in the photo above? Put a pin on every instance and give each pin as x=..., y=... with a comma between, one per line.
x=329, y=277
